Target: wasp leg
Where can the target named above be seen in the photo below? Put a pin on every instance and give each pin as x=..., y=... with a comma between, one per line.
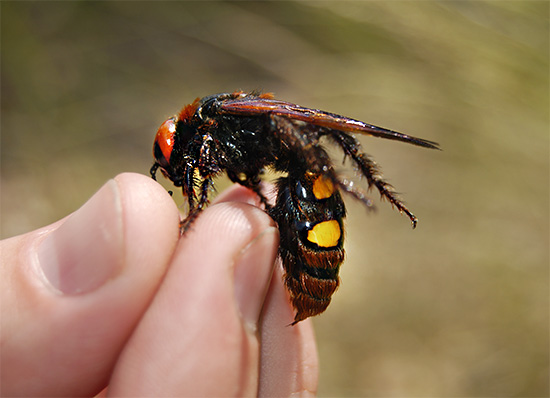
x=188, y=184
x=305, y=147
x=370, y=170
x=196, y=208
x=317, y=160
x=253, y=183
x=153, y=171
x=349, y=187
x=207, y=166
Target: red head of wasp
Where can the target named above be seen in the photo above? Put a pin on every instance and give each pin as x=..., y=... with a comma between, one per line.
x=244, y=133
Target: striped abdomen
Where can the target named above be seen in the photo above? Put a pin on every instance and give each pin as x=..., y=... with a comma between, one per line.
x=310, y=211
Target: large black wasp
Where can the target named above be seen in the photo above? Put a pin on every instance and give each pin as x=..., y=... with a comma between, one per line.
x=243, y=134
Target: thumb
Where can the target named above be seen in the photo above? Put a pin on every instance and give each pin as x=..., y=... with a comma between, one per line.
x=72, y=292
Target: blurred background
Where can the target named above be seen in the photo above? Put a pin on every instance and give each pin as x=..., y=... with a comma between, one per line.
x=457, y=307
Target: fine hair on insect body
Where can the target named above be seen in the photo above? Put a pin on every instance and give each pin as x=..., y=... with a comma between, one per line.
x=243, y=134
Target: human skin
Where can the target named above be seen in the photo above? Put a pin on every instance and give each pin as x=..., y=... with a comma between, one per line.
x=111, y=301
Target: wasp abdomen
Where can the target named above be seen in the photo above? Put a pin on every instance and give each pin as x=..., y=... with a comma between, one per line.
x=309, y=212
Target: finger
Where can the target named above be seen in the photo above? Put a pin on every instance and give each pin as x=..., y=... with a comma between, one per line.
x=72, y=292
x=238, y=193
x=199, y=336
x=289, y=362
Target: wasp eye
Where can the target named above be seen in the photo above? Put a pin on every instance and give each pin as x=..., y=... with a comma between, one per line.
x=164, y=142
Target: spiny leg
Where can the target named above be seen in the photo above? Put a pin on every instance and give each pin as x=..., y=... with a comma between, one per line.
x=305, y=147
x=359, y=194
x=370, y=170
x=196, y=208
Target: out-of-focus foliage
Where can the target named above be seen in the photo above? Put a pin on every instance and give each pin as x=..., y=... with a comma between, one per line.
x=458, y=307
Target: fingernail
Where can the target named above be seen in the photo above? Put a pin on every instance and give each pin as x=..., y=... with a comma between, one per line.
x=87, y=250
x=253, y=269
x=303, y=394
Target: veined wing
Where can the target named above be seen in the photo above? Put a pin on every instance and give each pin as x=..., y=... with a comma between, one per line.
x=258, y=105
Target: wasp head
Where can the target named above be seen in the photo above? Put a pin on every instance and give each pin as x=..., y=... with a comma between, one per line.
x=171, y=142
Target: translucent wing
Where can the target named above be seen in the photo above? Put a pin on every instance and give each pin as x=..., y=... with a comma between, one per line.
x=259, y=105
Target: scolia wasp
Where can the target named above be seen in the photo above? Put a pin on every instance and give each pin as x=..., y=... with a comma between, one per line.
x=245, y=133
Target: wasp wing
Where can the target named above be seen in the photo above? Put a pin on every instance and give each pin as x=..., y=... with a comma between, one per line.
x=258, y=105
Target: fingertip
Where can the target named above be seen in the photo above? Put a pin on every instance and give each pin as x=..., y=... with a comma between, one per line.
x=253, y=270
x=307, y=377
x=129, y=218
x=239, y=193
x=150, y=219
x=299, y=366
x=67, y=339
x=199, y=312
x=147, y=201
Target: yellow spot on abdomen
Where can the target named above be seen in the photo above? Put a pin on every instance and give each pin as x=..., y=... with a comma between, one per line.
x=325, y=234
x=323, y=187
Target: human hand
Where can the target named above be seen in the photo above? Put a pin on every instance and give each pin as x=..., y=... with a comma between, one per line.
x=111, y=297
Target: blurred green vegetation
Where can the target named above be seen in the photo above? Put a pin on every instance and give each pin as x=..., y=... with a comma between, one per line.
x=458, y=307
